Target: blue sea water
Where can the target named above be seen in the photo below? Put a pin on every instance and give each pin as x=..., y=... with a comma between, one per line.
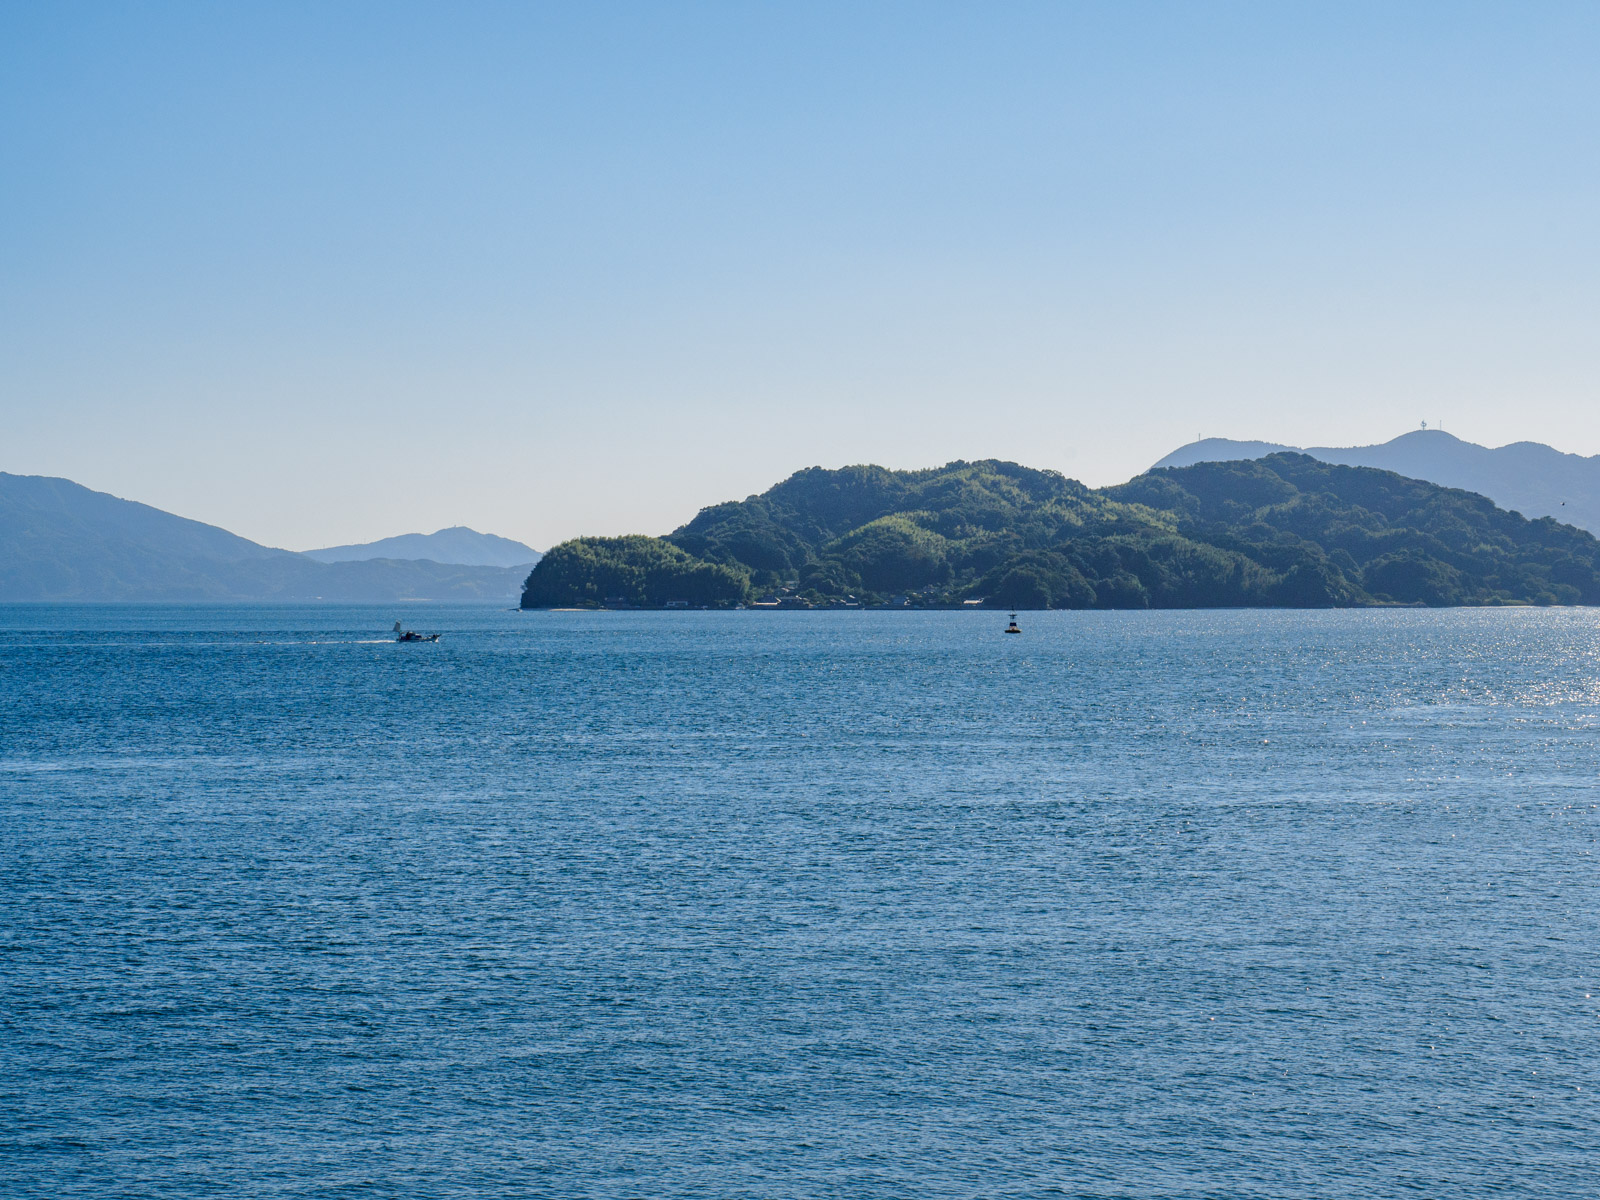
x=1223, y=904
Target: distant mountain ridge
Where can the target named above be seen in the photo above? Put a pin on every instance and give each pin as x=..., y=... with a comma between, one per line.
x=1526, y=477
x=457, y=544
x=61, y=541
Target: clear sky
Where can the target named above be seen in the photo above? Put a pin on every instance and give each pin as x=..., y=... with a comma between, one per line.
x=326, y=272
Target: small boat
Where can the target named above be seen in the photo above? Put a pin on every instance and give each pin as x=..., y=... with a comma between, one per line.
x=402, y=634
x=1013, y=627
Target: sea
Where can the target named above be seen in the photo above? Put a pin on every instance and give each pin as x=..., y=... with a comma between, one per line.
x=859, y=904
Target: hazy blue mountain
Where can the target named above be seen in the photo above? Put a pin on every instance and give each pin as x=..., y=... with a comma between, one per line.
x=1222, y=450
x=1526, y=477
x=458, y=544
x=61, y=541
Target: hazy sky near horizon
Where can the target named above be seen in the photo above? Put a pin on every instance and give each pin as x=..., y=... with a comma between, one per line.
x=322, y=273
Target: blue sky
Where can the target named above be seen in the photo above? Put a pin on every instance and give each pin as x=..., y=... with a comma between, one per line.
x=327, y=272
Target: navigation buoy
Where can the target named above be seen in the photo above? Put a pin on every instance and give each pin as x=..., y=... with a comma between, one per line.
x=1012, y=628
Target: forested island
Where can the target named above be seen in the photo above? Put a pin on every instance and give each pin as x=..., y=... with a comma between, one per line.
x=1286, y=530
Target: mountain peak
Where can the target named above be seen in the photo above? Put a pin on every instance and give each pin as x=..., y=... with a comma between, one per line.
x=455, y=544
x=1527, y=477
x=61, y=541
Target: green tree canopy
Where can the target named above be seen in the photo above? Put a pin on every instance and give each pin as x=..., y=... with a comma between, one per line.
x=1282, y=530
x=644, y=572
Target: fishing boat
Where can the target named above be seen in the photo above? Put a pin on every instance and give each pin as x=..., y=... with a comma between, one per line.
x=402, y=634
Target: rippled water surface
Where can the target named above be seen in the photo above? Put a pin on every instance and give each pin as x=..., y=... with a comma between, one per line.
x=799, y=905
